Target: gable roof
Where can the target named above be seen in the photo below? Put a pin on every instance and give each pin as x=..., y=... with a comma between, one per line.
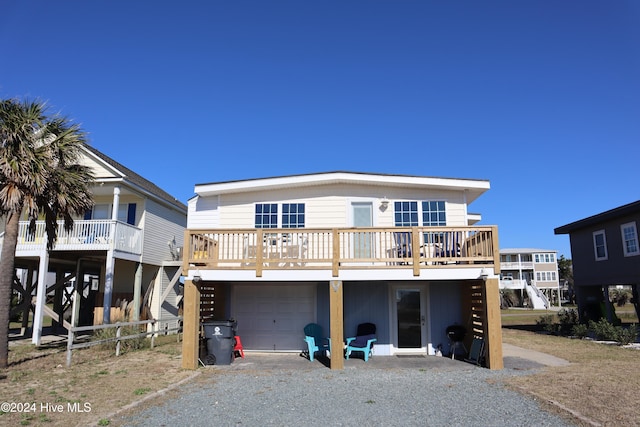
x=598, y=218
x=473, y=187
x=136, y=180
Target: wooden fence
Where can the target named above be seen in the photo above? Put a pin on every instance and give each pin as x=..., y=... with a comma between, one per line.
x=155, y=330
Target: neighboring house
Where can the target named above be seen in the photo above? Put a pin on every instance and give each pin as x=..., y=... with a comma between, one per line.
x=533, y=273
x=340, y=249
x=127, y=248
x=605, y=253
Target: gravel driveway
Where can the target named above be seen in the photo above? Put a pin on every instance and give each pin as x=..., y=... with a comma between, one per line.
x=286, y=390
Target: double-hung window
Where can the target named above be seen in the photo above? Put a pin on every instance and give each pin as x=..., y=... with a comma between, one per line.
x=266, y=215
x=600, y=245
x=293, y=215
x=629, y=239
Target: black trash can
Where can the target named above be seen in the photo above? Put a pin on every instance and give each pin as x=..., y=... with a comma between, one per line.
x=220, y=337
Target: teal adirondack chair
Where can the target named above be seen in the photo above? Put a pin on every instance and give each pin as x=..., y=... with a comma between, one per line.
x=315, y=340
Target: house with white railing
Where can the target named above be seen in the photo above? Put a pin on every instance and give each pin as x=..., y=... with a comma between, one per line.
x=533, y=274
x=122, y=257
x=340, y=249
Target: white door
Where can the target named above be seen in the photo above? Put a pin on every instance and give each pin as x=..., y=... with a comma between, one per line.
x=272, y=317
x=409, y=316
x=362, y=217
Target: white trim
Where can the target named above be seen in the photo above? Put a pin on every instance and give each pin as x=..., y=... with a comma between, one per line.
x=477, y=187
x=425, y=333
x=595, y=247
x=635, y=236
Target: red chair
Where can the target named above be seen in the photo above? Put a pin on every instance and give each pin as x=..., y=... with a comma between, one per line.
x=237, y=348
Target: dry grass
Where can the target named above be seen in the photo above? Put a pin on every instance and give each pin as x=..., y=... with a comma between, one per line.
x=97, y=383
x=600, y=385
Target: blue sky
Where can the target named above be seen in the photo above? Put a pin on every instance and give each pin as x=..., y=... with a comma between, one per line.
x=541, y=98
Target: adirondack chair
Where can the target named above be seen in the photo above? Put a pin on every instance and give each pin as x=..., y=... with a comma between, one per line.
x=403, y=245
x=363, y=341
x=450, y=245
x=315, y=341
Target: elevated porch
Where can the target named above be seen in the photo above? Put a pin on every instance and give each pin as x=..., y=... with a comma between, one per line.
x=86, y=235
x=339, y=249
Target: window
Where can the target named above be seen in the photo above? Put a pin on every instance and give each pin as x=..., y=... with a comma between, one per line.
x=266, y=215
x=292, y=215
x=548, y=258
x=433, y=214
x=600, y=245
x=126, y=212
x=629, y=239
x=545, y=276
x=406, y=214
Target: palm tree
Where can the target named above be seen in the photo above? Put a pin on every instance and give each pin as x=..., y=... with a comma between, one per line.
x=40, y=177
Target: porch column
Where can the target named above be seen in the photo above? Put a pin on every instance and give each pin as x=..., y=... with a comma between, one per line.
x=493, y=332
x=636, y=303
x=190, y=325
x=108, y=287
x=28, y=287
x=336, y=324
x=41, y=297
x=137, y=290
x=116, y=203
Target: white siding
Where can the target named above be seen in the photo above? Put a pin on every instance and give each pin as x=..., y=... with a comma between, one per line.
x=203, y=212
x=98, y=169
x=161, y=225
x=326, y=206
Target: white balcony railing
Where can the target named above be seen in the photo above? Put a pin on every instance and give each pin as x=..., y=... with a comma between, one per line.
x=85, y=235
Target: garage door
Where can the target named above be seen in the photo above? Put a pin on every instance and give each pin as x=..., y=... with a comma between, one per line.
x=272, y=317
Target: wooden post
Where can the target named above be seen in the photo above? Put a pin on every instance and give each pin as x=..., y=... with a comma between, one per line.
x=259, y=252
x=493, y=324
x=335, y=266
x=415, y=252
x=336, y=324
x=495, y=248
x=191, y=325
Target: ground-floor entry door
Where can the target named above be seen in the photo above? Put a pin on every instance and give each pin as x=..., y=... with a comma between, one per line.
x=271, y=317
x=410, y=316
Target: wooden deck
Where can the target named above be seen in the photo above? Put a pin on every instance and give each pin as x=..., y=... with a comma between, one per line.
x=341, y=248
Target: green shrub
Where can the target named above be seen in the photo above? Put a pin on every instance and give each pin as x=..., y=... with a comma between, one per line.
x=606, y=331
x=603, y=330
x=546, y=323
x=627, y=335
x=580, y=330
x=568, y=318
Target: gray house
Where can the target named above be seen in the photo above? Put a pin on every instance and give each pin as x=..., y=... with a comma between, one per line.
x=605, y=254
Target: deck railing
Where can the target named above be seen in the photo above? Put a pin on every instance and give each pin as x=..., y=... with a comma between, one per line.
x=340, y=248
x=85, y=235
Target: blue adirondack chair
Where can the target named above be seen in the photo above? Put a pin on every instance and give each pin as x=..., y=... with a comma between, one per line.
x=363, y=341
x=315, y=340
